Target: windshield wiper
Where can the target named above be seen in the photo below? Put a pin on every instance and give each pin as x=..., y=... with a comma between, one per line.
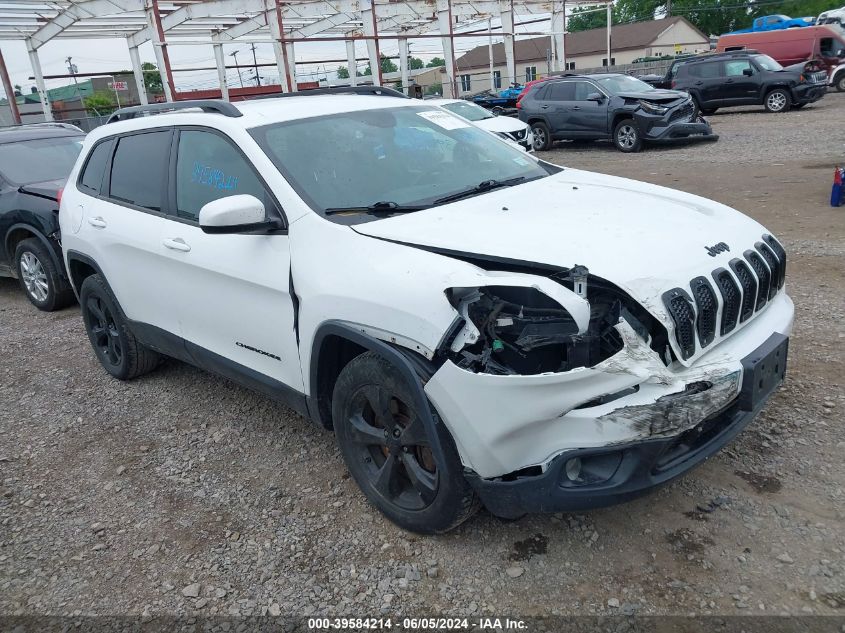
x=484, y=185
x=378, y=208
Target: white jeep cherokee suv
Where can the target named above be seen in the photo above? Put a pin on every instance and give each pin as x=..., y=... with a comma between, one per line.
x=474, y=324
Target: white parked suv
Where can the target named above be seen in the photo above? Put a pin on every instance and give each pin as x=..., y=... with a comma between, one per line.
x=506, y=127
x=474, y=324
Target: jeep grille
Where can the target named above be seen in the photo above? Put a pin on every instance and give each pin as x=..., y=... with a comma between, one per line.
x=744, y=290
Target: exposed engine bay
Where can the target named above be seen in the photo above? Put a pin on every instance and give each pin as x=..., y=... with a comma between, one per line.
x=521, y=330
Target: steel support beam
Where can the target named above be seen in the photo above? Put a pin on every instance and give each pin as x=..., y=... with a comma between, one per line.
x=39, y=80
x=78, y=11
x=9, y=90
x=558, y=26
x=609, y=17
x=220, y=62
x=506, y=14
x=160, y=48
x=138, y=71
x=403, y=63
x=370, y=27
x=351, y=63
x=490, y=52
x=277, y=30
x=444, y=24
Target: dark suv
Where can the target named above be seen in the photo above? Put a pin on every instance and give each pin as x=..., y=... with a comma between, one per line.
x=747, y=78
x=35, y=161
x=618, y=107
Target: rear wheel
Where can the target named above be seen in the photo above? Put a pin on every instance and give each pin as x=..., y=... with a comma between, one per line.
x=839, y=82
x=388, y=450
x=778, y=100
x=117, y=349
x=627, y=137
x=542, y=136
x=39, y=278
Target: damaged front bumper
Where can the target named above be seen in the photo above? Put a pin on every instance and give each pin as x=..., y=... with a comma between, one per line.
x=631, y=422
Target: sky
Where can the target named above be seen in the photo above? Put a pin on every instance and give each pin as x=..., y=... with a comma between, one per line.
x=109, y=55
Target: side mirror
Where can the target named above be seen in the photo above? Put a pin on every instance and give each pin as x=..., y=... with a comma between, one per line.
x=595, y=96
x=235, y=214
x=747, y=72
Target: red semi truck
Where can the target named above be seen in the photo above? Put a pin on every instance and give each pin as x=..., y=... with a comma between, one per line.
x=792, y=46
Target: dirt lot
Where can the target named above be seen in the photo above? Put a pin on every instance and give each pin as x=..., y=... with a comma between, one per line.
x=182, y=493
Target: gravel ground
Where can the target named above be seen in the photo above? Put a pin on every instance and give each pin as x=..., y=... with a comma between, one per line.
x=181, y=493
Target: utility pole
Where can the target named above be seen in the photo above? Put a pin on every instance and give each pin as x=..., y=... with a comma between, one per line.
x=255, y=61
x=668, y=8
x=234, y=55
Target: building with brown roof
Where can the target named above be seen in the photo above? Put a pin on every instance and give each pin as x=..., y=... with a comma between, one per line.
x=583, y=50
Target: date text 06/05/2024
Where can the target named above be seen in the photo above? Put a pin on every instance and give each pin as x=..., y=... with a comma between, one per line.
x=418, y=624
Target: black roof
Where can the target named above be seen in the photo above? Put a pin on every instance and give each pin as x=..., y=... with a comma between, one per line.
x=29, y=132
x=710, y=56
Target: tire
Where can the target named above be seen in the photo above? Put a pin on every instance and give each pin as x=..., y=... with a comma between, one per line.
x=798, y=106
x=386, y=448
x=778, y=100
x=839, y=82
x=627, y=137
x=39, y=278
x=117, y=349
x=542, y=136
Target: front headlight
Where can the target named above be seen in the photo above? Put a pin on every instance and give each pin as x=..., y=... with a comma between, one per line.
x=653, y=108
x=503, y=135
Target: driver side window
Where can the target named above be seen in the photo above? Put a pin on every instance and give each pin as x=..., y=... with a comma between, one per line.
x=736, y=68
x=208, y=167
x=583, y=89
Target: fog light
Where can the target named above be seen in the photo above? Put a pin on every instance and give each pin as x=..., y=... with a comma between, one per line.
x=573, y=469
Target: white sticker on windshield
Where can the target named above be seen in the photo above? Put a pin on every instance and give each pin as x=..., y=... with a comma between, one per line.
x=520, y=161
x=443, y=119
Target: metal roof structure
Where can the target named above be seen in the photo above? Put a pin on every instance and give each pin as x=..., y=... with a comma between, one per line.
x=282, y=23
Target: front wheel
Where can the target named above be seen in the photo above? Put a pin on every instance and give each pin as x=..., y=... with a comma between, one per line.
x=388, y=450
x=39, y=277
x=627, y=137
x=116, y=347
x=778, y=100
x=839, y=82
x=542, y=136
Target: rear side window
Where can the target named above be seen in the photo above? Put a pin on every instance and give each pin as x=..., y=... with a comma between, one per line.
x=209, y=167
x=95, y=167
x=705, y=71
x=564, y=91
x=139, y=168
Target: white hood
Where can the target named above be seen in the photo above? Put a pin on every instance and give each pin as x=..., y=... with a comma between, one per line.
x=644, y=238
x=505, y=124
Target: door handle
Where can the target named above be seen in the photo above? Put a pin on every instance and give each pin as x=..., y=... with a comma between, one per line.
x=729, y=81
x=176, y=244
x=97, y=222
x=699, y=82
x=576, y=107
x=544, y=107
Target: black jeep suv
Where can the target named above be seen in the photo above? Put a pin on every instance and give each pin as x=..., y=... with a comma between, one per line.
x=618, y=107
x=742, y=78
x=35, y=161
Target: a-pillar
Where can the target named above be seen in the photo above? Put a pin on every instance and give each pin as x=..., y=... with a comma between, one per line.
x=138, y=71
x=506, y=14
x=39, y=81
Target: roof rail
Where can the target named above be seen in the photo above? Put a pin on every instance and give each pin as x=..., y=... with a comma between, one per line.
x=206, y=105
x=17, y=126
x=379, y=91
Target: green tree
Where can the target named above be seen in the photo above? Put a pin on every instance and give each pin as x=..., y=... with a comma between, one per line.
x=584, y=19
x=387, y=66
x=435, y=62
x=434, y=89
x=152, y=80
x=100, y=103
x=342, y=72
x=415, y=63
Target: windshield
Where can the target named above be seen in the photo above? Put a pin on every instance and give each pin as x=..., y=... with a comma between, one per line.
x=623, y=83
x=469, y=111
x=766, y=63
x=406, y=156
x=26, y=162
